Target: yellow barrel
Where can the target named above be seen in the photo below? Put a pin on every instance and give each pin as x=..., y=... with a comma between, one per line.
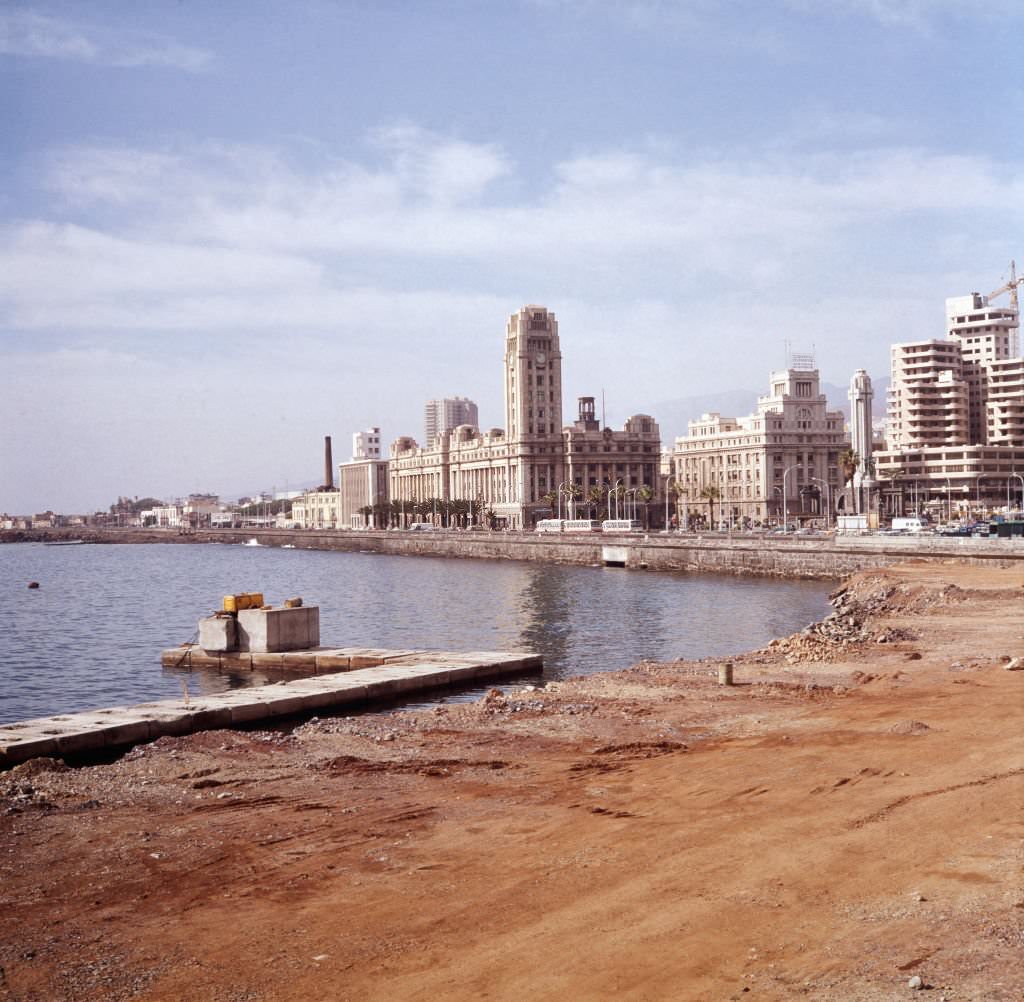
x=243, y=600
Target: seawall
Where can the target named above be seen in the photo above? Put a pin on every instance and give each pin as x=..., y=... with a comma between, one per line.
x=751, y=555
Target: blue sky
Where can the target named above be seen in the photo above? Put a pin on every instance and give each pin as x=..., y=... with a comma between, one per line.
x=228, y=229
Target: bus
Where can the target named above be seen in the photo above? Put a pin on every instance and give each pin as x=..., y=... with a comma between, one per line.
x=581, y=525
x=621, y=525
x=551, y=525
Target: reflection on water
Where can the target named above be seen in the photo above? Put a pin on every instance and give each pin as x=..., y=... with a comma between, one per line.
x=91, y=635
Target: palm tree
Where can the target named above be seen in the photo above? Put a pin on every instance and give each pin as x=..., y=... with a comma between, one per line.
x=595, y=498
x=711, y=494
x=679, y=490
x=644, y=493
x=366, y=511
x=848, y=463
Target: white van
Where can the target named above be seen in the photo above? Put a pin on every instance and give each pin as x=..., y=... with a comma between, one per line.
x=909, y=525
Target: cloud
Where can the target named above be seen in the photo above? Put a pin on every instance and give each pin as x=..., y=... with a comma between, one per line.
x=215, y=237
x=30, y=34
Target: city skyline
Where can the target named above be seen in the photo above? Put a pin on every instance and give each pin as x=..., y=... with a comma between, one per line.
x=218, y=230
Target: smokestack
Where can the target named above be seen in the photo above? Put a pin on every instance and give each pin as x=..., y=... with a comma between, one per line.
x=328, y=464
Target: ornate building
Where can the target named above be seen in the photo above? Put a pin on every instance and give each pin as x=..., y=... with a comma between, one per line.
x=785, y=456
x=511, y=471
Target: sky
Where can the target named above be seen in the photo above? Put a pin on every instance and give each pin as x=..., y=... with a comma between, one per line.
x=229, y=229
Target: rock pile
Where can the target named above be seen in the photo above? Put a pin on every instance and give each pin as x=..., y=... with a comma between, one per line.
x=848, y=625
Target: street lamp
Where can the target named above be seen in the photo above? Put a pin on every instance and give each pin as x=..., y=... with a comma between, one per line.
x=668, y=481
x=949, y=500
x=558, y=503
x=785, y=507
x=1021, y=479
x=615, y=493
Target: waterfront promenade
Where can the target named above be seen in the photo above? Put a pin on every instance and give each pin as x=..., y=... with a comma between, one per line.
x=758, y=554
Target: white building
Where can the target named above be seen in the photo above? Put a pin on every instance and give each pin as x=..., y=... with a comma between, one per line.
x=956, y=413
x=366, y=444
x=784, y=456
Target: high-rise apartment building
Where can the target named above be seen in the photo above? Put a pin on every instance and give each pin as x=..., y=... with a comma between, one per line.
x=955, y=435
x=444, y=415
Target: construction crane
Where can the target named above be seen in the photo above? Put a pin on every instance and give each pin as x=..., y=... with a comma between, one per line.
x=1010, y=287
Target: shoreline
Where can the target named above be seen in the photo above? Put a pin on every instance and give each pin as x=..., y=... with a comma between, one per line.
x=824, y=558
x=840, y=820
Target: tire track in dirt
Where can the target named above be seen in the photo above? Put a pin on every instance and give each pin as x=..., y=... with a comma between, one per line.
x=883, y=813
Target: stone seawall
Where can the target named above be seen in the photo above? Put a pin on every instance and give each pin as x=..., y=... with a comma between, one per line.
x=751, y=555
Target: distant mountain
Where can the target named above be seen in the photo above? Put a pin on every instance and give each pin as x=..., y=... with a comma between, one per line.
x=674, y=415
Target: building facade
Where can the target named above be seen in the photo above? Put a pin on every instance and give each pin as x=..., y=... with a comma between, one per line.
x=366, y=444
x=955, y=437
x=782, y=459
x=319, y=509
x=513, y=472
x=362, y=483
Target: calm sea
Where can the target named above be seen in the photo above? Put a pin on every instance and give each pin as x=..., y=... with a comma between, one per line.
x=91, y=635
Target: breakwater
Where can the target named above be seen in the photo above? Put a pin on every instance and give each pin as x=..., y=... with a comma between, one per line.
x=809, y=557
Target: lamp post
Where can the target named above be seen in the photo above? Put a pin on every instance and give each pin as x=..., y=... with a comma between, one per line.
x=949, y=500
x=1021, y=479
x=668, y=481
x=615, y=492
x=828, y=501
x=558, y=513
x=785, y=507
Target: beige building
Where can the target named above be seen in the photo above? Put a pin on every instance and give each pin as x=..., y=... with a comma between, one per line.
x=955, y=436
x=511, y=470
x=319, y=509
x=788, y=449
x=362, y=483
x=600, y=458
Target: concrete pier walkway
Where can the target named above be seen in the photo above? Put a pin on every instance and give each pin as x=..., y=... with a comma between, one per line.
x=394, y=673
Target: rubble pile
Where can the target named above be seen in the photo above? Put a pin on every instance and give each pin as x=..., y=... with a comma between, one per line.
x=849, y=626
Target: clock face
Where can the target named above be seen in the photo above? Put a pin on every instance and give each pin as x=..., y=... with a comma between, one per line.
x=541, y=358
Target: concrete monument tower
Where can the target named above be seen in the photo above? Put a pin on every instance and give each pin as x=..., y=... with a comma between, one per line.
x=861, y=438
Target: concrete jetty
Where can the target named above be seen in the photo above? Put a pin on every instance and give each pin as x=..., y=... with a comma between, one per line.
x=345, y=677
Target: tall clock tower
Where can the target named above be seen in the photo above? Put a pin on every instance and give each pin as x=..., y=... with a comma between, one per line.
x=533, y=404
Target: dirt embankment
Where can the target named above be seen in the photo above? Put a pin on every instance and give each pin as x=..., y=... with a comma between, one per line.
x=845, y=819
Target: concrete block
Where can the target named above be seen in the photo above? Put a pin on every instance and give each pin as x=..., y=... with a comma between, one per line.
x=267, y=661
x=245, y=713
x=168, y=720
x=31, y=743
x=199, y=658
x=332, y=662
x=462, y=673
x=286, y=704
x=218, y=633
x=366, y=660
x=210, y=715
x=237, y=660
x=276, y=630
x=176, y=657
x=299, y=661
